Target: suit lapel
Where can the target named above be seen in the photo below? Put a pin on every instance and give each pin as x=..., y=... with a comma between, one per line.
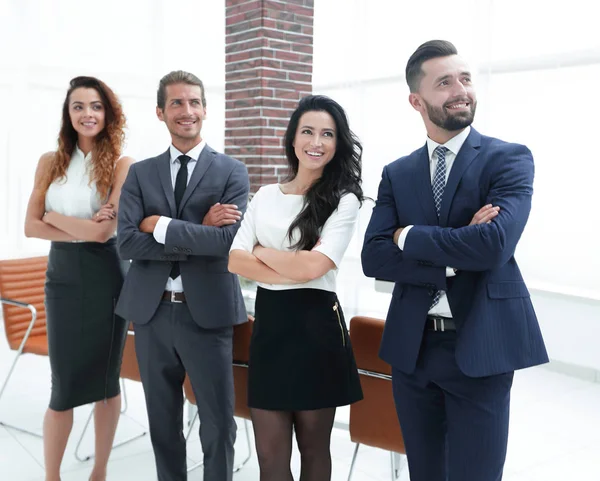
x=164, y=174
x=466, y=155
x=206, y=158
x=423, y=186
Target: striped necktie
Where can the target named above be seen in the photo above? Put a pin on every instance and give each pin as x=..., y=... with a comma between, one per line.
x=438, y=185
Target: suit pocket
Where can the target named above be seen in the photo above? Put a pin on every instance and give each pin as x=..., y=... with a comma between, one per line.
x=507, y=290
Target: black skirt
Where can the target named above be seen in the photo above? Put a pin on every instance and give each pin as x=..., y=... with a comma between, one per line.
x=300, y=353
x=85, y=337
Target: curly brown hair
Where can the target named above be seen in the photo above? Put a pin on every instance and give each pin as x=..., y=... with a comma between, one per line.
x=107, y=145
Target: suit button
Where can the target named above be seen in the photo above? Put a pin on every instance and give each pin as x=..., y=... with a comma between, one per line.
x=432, y=292
x=175, y=249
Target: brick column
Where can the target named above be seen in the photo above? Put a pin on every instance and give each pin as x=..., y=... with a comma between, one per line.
x=269, y=47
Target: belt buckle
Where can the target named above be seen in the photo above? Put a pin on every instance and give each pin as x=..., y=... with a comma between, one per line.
x=174, y=299
x=435, y=324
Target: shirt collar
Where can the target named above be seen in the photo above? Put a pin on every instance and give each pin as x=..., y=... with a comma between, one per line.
x=194, y=153
x=77, y=151
x=453, y=145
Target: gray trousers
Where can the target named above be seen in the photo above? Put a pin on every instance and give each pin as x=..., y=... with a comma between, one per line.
x=167, y=347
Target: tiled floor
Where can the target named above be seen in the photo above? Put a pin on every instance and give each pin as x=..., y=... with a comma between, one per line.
x=555, y=433
x=555, y=426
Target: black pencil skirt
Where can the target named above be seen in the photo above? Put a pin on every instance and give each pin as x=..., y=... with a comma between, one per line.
x=300, y=353
x=85, y=337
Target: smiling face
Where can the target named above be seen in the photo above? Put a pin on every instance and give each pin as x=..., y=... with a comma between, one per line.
x=315, y=140
x=183, y=114
x=87, y=112
x=445, y=97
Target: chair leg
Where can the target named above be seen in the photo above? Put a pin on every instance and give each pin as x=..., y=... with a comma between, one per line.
x=10, y=372
x=243, y=463
x=187, y=437
x=82, y=459
x=353, y=461
x=398, y=462
x=19, y=352
x=124, y=404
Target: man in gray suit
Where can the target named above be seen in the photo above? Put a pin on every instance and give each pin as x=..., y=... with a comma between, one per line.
x=178, y=214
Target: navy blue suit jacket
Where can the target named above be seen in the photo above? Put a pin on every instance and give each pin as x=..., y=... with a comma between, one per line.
x=497, y=329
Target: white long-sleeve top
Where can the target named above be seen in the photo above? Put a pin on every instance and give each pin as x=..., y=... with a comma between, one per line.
x=269, y=216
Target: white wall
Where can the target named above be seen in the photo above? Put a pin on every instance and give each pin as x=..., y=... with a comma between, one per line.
x=128, y=44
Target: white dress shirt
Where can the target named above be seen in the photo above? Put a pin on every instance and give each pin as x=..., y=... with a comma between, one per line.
x=442, y=308
x=160, y=231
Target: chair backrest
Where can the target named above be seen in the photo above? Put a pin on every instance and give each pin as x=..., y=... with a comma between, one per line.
x=373, y=421
x=241, y=341
x=23, y=280
x=241, y=355
x=129, y=365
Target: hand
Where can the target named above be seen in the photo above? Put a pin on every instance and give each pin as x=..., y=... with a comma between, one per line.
x=250, y=318
x=222, y=214
x=148, y=224
x=397, y=234
x=106, y=212
x=485, y=215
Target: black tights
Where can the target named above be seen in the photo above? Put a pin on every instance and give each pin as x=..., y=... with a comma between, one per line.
x=273, y=435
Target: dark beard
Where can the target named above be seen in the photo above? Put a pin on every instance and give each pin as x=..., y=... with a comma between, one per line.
x=450, y=122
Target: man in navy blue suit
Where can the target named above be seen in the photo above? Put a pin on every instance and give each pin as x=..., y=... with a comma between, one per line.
x=445, y=227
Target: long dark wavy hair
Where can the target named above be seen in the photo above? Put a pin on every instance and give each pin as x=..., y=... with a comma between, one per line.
x=340, y=176
x=106, y=149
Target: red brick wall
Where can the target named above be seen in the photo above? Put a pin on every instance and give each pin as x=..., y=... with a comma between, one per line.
x=269, y=48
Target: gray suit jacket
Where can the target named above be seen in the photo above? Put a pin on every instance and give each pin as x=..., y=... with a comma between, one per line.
x=213, y=294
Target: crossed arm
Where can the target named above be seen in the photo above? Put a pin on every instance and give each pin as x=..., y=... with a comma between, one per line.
x=488, y=245
x=272, y=266
x=254, y=261
x=489, y=240
x=213, y=237
x=243, y=259
x=58, y=227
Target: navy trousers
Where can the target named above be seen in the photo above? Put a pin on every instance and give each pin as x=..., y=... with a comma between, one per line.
x=455, y=427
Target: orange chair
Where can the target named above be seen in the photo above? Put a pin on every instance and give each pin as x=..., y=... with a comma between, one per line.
x=373, y=421
x=241, y=354
x=22, y=290
x=22, y=287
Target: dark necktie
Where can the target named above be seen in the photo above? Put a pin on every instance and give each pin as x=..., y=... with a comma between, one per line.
x=438, y=185
x=180, y=185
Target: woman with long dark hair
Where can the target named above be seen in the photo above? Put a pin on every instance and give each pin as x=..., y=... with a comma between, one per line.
x=73, y=204
x=292, y=240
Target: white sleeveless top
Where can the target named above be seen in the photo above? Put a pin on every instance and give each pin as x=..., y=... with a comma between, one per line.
x=74, y=195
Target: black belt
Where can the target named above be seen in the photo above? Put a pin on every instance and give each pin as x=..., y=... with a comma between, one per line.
x=176, y=297
x=440, y=324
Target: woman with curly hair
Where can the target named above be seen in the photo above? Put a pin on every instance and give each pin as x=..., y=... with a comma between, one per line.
x=292, y=240
x=73, y=204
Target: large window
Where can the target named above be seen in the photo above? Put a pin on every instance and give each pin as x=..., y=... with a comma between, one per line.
x=128, y=44
x=534, y=68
